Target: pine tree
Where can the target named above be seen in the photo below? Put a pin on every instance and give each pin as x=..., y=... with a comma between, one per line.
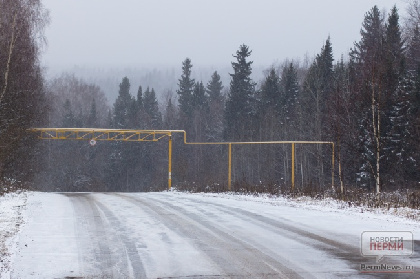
x=241, y=98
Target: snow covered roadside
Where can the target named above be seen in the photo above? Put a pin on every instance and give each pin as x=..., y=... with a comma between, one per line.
x=400, y=215
x=12, y=218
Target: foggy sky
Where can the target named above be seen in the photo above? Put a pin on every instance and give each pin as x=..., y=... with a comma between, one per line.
x=165, y=32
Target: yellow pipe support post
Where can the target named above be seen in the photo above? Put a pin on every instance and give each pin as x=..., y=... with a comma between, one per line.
x=293, y=166
x=230, y=168
x=170, y=163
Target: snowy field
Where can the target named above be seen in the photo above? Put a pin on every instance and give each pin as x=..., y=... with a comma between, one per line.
x=182, y=235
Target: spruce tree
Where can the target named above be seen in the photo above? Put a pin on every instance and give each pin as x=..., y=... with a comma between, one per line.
x=241, y=98
x=413, y=51
x=68, y=118
x=268, y=106
x=151, y=108
x=369, y=48
x=122, y=105
x=403, y=137
x=92, y=118
x=270, y=92
x=169, y=121
x=201, y=113
x=289, y=86
x=394, y=58
x=214, y=88
x=140, y=98
x=122, y=158
x=316, y=90
x=393, y=97
x=367, y=70
x=288, y=111
x=199, y=99
x=185, y=89
x=216, y=108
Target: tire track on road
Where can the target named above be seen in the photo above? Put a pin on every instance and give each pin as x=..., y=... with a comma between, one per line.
x=129, y=244
x=275, y=225
x=234, y=256
x=112, y=261
x=89, y=224
x=338, y=249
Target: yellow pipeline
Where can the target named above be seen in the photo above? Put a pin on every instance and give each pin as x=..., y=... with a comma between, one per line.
x=156, y=135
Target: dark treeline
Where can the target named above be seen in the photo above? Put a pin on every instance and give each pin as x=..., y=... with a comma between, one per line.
x=22, y=95
x=368, y=105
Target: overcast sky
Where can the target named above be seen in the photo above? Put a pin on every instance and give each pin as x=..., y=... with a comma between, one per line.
x=164, y=32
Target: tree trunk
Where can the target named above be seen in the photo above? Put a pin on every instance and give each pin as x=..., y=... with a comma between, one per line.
x=376, y=134
x=10, y=52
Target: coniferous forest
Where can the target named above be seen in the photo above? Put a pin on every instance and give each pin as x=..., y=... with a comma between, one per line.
x=367, y=102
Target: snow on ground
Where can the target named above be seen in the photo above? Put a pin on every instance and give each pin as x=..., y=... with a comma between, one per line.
x=12, y=218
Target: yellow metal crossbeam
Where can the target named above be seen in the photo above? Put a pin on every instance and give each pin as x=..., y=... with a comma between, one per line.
x=156, y=135
x=101, y=134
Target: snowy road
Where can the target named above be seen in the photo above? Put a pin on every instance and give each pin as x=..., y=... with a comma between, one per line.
x=176, y=235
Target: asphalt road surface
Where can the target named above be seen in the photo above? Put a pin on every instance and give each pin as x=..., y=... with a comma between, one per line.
x=170, y=235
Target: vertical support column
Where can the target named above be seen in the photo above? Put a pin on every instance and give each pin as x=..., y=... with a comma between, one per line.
x=332, y=167
x=170, y=163
x=293, y=166
x=230, y=168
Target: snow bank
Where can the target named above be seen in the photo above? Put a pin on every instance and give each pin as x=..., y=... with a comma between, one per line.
x=402, y=214
x=12, y=207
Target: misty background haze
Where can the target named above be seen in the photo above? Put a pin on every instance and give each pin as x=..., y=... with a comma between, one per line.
x=103, y=41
